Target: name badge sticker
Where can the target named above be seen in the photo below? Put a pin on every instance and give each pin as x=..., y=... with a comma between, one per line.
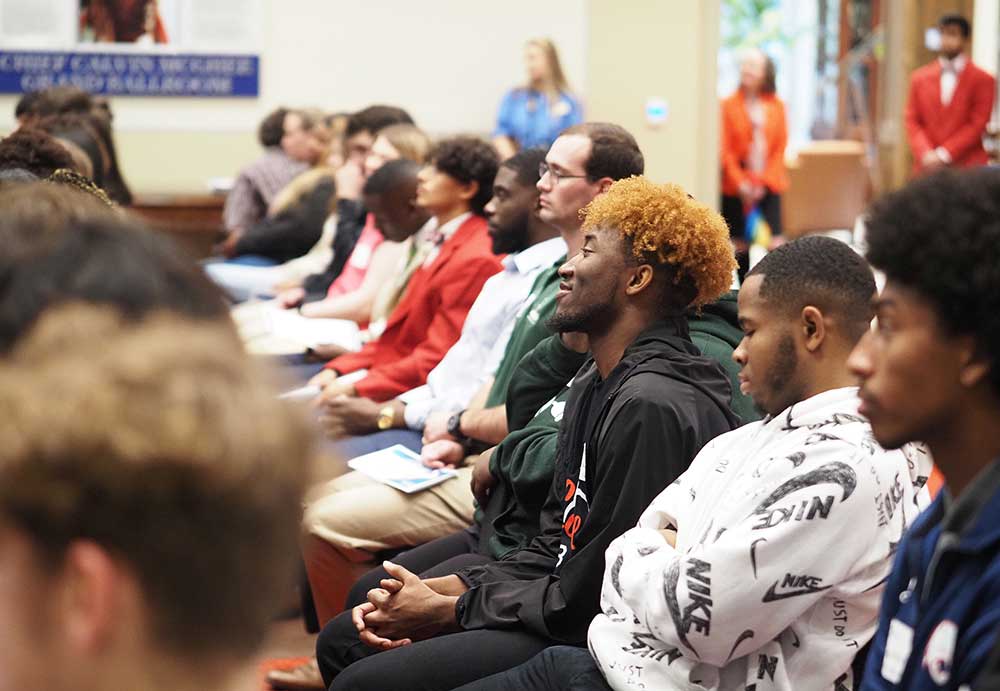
x=898, y=645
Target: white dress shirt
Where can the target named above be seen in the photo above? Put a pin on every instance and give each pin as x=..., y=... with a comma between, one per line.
x=951, y=70
x=488, y=326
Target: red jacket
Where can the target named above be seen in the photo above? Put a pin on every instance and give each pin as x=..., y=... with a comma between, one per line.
x=428, y=319
x=959, y=126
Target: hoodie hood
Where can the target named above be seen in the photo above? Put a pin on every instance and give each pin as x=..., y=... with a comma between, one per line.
x=666, y=349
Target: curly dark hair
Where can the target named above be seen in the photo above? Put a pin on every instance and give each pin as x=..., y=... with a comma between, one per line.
x=940, y=237
x=34, y=151
x=468, y=159
x=822, y=272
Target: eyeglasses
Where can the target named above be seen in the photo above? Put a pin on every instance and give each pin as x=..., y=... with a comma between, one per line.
x=543, y=168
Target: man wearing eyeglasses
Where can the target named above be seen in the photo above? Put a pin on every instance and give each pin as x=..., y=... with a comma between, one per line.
x=581, y=164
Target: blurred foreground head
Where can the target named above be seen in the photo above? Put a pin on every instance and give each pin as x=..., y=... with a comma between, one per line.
x=150, y=490
x=62, y=245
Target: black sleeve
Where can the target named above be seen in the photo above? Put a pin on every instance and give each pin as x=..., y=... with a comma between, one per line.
x=292, y=232
x=541, y=374
x=645, y=445
x=350, y=222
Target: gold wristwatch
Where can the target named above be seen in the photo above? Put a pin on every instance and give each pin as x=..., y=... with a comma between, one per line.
x=386, y=417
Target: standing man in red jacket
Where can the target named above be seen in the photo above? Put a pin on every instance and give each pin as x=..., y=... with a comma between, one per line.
x=949, y=104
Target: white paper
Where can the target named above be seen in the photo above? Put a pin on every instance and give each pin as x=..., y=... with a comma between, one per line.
x=401, y=468
x=303, y=393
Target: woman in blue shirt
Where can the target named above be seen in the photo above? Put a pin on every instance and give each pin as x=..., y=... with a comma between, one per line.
x=535, y=114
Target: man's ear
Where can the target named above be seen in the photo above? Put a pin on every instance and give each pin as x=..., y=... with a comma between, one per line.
x=813, y=326
x=639, y=279
x=604, y=184
x=93, y=588
x=974, y=365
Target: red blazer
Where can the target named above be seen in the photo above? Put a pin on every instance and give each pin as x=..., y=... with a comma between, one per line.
x=736, y=133
x=959, y=126
x=428, y=319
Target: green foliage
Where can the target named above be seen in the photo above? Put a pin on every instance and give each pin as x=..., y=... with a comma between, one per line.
x=752, y=23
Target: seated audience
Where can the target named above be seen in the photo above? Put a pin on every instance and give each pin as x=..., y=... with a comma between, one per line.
x=639, y=412
x=390, y=195
x=392, y=143
x=284, y=136
x=59, y=100
x=929, y=371
x=530, y=246
x=362, y=130
x=294, y=218
x=582, y=163
x=361, y=511
x=137, y=482
x=63, y=245
x=454, y=187
x=607, y=152
x=682, y=604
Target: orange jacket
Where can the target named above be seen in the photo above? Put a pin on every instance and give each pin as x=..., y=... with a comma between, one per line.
x=959, y=126
x=735, y=135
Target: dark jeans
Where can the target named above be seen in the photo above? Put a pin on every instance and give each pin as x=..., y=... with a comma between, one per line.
x=439, y=663
x=440, y=557
x=352, y=447
x=560, y=668
x=732, y=211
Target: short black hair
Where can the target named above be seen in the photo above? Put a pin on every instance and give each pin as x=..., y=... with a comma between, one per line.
x=940, y=236
x=34, y=151
x=375, y=118
x=823, y=272
x=614, y=153
x=468, y=159
x=525, y=164
x=272, y=128
x=61, y=247
x=390, y=176
x=955, y=19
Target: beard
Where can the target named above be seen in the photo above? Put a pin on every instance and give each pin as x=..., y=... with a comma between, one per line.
x=589, y=319
x=779, y=381
x=512, y=237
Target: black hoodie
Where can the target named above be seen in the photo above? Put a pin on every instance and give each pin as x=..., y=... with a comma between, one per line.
x=639, y=429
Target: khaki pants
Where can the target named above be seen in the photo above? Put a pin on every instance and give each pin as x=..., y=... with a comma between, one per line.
x=360, y=516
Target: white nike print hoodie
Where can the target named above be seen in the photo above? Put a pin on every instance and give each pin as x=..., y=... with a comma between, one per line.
x=785, y=534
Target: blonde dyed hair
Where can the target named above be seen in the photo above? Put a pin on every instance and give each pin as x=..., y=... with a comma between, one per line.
x=409, y=140
x=665, y=225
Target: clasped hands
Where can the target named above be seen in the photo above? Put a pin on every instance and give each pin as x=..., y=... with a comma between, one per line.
x=406, y=608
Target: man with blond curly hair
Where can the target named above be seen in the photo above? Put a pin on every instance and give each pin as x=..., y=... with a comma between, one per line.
x=638, y=411
x=763, y=565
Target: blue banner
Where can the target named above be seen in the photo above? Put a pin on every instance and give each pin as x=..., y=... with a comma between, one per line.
x=131, y=74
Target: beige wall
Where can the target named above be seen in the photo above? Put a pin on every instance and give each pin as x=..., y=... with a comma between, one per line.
x=448, y=62
x=641, y=49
